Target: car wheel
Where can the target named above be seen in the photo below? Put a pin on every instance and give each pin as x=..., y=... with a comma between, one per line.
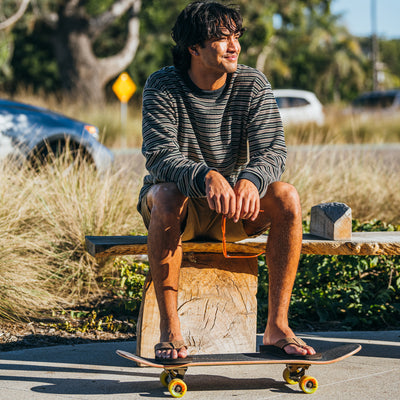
x=70, y=152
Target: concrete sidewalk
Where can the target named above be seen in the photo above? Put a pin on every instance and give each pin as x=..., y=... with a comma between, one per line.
x=94, y=371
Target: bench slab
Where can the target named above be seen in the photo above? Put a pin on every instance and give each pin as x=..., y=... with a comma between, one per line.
x=361, y=243
x=217, y=303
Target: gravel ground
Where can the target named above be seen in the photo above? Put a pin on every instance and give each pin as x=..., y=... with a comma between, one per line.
x=16, y=336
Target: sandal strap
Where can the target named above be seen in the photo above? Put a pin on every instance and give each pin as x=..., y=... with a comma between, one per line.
x=290, y=340
x=177, y=344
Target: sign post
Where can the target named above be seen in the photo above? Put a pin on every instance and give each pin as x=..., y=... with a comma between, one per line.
x=124, y=87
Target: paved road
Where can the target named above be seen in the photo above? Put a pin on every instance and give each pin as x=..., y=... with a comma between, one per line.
x=133, y=160
x=95, y=372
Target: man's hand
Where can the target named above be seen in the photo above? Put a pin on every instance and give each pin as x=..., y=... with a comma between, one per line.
x=220, y=195
x=247, y=200
x=241, y=202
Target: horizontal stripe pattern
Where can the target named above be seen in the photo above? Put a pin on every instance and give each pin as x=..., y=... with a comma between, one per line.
x=186, y=132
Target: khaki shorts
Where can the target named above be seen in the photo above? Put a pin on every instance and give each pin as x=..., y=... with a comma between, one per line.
x=202, y=222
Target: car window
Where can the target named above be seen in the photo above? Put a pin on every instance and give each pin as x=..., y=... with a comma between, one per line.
x=378, y=100
x=287, y=101
x=385, y=101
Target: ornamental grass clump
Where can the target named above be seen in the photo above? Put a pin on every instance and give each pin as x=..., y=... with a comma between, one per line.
x=44, y=217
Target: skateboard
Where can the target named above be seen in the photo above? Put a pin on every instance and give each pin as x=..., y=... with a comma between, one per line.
x=173, y=373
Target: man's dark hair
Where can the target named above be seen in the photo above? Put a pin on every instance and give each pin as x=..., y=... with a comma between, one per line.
x=201, y=21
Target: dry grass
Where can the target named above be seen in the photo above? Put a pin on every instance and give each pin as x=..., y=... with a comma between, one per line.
x=342, y=126
x=44, y=218
x=364, y=180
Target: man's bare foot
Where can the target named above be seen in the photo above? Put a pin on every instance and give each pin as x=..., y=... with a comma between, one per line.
x=171, y=350
x=299, y=349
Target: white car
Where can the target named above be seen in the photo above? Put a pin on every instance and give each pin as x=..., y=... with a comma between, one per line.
x=299, y=107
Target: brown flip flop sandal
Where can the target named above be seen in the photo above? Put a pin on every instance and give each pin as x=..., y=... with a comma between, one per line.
x=278, y=349
x=177, y=345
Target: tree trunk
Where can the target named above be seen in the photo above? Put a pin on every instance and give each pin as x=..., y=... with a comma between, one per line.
x=83, y=74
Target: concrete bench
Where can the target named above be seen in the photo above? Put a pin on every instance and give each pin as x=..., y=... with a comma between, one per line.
x=217, y=296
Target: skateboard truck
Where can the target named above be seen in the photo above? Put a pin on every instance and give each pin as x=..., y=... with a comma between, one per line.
x=173, y=380
x=294, y=374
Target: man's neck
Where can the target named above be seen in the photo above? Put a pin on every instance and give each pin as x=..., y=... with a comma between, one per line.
x=207, y=82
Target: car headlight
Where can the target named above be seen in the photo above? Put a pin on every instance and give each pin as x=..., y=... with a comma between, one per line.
x=92, y=130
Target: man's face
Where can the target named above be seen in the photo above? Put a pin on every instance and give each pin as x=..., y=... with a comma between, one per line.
x=220, y=54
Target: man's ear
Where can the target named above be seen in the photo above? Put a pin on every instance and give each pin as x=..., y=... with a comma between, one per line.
x=193, y=51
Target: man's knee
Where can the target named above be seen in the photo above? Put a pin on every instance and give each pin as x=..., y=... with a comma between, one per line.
x=166, y=199
x=284, y=198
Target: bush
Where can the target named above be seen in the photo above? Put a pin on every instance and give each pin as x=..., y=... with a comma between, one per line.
x=341, y=292
x=128, y=287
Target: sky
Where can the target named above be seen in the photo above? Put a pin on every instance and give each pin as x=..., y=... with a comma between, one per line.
x=357, y=17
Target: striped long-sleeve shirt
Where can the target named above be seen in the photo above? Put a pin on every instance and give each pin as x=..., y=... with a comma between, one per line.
x=236, y=130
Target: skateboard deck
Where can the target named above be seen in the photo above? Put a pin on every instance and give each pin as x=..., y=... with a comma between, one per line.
x=174, y=372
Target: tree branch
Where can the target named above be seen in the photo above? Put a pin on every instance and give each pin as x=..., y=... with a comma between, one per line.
x=14, y=18
x=104, y=20
x=111, y=66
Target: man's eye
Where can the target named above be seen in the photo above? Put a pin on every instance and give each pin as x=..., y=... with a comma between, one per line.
x=227, y=38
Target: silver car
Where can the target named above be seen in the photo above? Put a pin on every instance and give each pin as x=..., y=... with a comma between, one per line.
x=31, y=133
x=299, y=107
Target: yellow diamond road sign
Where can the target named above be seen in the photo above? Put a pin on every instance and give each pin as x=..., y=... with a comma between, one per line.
x=124, y=87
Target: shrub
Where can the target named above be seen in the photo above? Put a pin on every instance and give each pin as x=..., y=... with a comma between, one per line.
x=341, y=292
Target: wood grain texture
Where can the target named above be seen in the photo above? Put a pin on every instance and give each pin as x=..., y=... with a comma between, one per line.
x=217, y=307
x=361, y=243
x=331, y=221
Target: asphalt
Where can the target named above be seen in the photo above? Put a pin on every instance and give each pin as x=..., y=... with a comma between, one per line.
x=94, y=371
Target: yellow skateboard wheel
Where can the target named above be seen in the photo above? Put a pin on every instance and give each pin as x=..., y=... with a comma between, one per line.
x=308, y=384
x=287, y=378
x=177, y=387
x=164, y=378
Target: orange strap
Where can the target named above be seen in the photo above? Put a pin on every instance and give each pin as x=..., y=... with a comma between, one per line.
x=224, y=252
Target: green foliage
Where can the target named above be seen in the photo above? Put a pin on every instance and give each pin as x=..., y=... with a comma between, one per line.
x=373, y=226
x=341, y=292
x=33, y=62
x=129, y=286
x=6, y=45
x=125, y=295
x=157, y=18
x=87, y=321
x=96, y=7
x=389, y=51
x=112, y=40
x=296, y=43
x=348, y=291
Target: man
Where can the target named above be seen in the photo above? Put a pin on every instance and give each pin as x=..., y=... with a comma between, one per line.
x=214, y=146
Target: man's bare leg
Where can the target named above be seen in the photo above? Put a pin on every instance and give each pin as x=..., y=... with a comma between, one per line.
x=168, y=208
x=282, y=211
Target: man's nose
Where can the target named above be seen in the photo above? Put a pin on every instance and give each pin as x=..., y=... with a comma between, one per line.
x=233, y=44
